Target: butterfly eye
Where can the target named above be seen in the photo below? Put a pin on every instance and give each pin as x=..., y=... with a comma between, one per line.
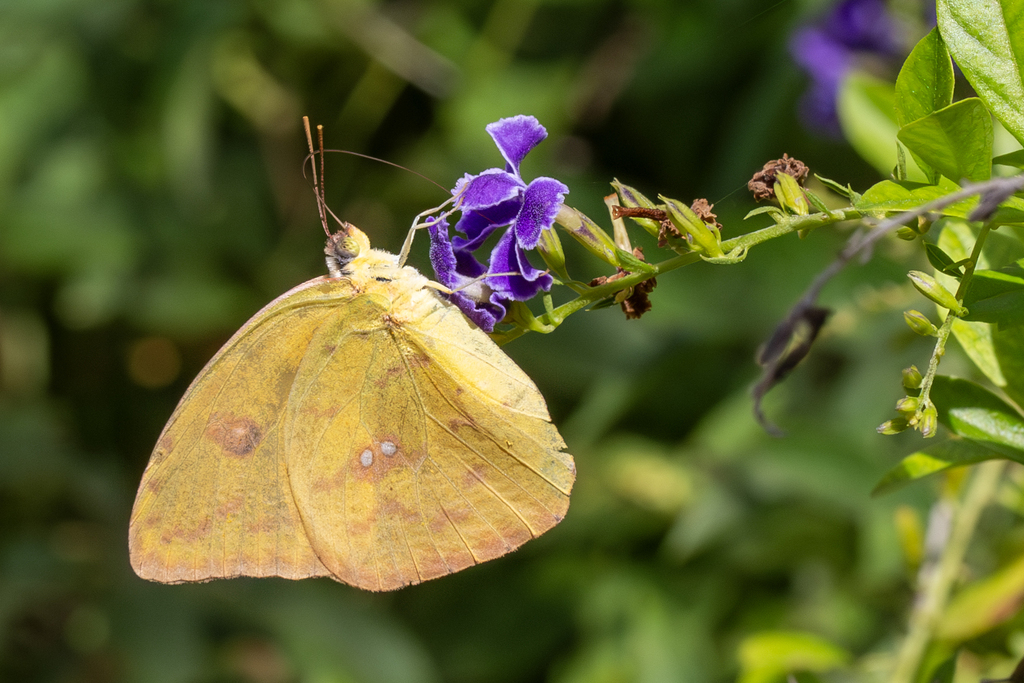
x=341, y=249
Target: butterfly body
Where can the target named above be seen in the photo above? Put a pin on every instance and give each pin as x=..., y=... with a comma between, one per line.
x=358, y=427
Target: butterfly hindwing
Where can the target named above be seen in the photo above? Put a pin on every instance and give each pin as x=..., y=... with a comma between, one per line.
x=444, y=456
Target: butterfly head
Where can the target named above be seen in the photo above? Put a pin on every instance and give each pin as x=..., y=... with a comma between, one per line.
x=343, y=247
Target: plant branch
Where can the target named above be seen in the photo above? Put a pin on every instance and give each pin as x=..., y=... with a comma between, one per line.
x=993, y=192
x=937, y=580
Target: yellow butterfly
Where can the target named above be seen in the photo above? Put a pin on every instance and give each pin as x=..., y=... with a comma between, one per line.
x=358, y=427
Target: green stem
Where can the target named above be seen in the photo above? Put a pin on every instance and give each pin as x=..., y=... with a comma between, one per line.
x=933, y=363
x=951, y=318
x=936, y=587
x=786, y=225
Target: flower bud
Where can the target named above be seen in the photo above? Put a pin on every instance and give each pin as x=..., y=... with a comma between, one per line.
x=920, y=324
x=550, y=248
x=893, y=426
x=790, y=196
x=929, y=422
x=704, y=239
x=587, y=233
x=633, y=199
x=907, y=405
x=931, y=288
x=912, y=376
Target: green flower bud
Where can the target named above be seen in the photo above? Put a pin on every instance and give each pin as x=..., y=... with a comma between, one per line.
x=929, y=422
x=931, y=288
x=920, y=323
x=912, y=376
x=704, y=239
x=550, y=248
x=894, y=426
x=789, y=194
x=587, y=233
x=633, y=199
x=907, y=405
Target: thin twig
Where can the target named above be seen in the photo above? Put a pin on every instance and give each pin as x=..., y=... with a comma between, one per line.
x=993, y=193
x=936, y=587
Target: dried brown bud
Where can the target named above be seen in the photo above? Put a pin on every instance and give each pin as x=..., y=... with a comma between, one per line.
x=637, y=302
x=668, y=231
x=702, y=208
x=638, y=212
x=762, y=185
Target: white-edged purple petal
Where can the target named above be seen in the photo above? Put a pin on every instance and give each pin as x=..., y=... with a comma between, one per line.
x=541, y=201
x=491, y=187
x=442, y=258
x=457, y=269
x=478, y=224
x=515, y=137
x=506, y=258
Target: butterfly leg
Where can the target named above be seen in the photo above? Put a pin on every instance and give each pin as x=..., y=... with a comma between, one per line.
x=416, y=225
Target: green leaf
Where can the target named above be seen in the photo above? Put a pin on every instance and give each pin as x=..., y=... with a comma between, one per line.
x=935, y=458
x=972, y=411
x=774, y=210
x=767, y=656
x=867, y=114
x=941, y=261
x=1015, y=159
x=925, y=83
x=632, y=263
x=891, y=196
x=997, y=296
x=1008, y=349
x=816, y=201
x=844, y=190
x=983, y=605
x=945, y=671
x=987, y=41
x=956, y=141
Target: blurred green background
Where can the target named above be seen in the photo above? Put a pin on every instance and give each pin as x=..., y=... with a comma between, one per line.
x=151, y=200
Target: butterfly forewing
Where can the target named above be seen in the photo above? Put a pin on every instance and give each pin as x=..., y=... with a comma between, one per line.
x=215, y=501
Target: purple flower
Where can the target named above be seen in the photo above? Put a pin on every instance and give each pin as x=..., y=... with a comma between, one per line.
x=498, y=198
x=828, y=51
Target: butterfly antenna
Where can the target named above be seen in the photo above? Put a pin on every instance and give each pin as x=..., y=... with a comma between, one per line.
x=390, y=163
x=318, y=181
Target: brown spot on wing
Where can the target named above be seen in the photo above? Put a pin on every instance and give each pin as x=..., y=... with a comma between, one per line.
x=457, y=423
x=229, y=509
x=191, y=535
x=417, y=359
x=236, y=435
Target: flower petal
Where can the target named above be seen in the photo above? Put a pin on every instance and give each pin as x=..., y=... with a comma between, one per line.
x=541, y=202
x=478, y=224
x=515, y=137
x=864, y=25
x=508, y=257
x=442, y=258
x=491, y=187
x=455, y=269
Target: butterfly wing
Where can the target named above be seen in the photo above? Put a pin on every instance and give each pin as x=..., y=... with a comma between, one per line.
x=444, y=456
x=214, y=501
